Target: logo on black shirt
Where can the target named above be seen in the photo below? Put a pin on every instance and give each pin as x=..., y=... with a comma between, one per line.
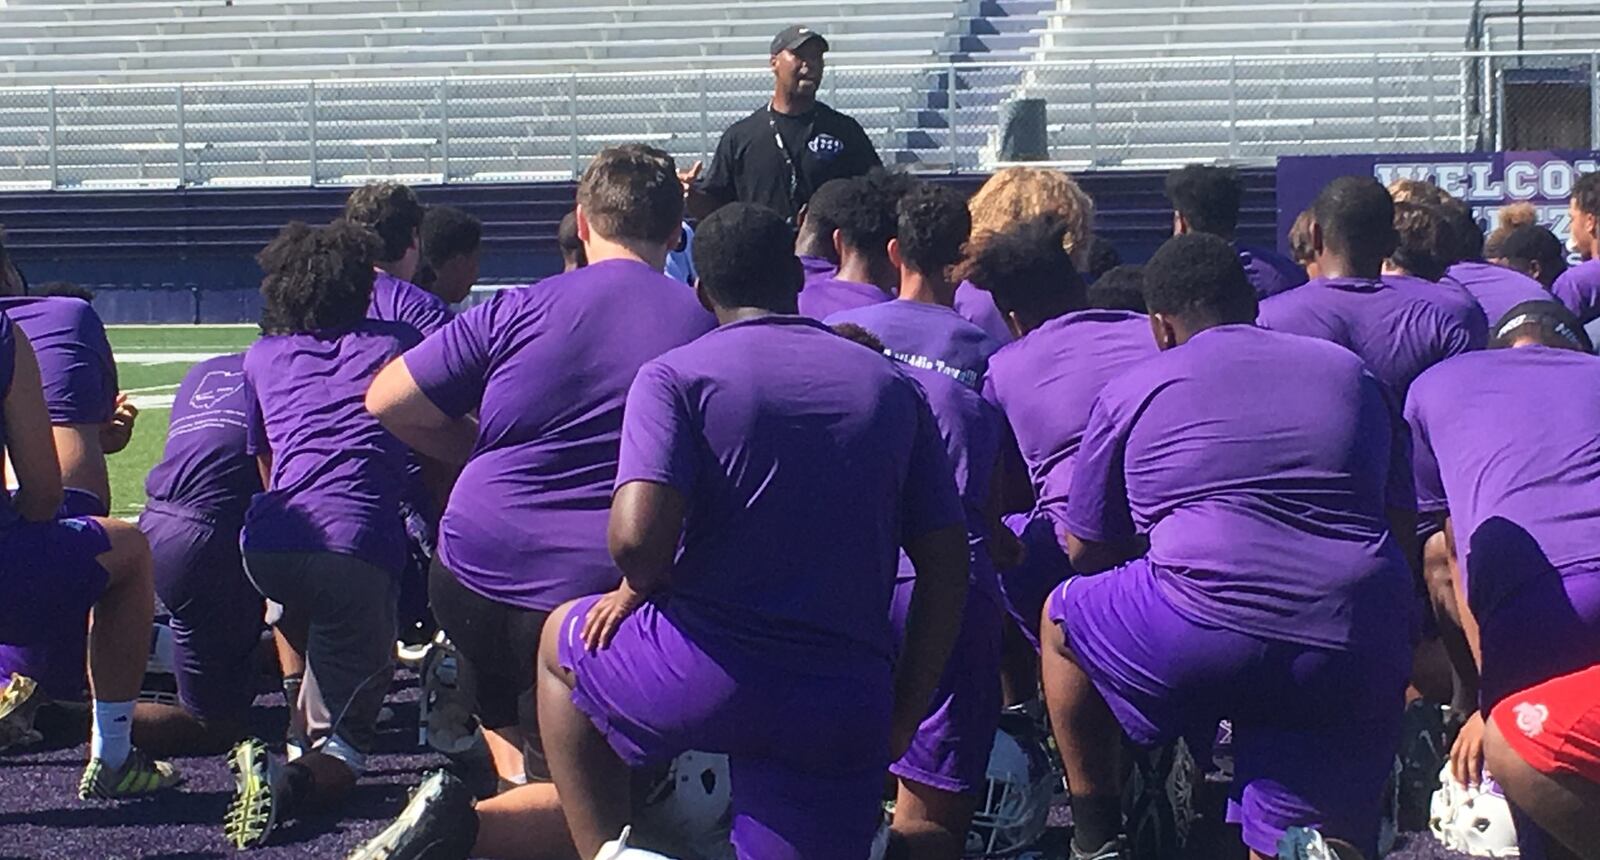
x=826, y=147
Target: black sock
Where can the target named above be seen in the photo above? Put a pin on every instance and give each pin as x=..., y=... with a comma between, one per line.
x=297, y=783
x=291, y=695
x=1095, y=821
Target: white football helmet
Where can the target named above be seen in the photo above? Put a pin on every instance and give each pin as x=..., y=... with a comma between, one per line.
x=689, y=808
x=1474, y=820
x=1015, y=800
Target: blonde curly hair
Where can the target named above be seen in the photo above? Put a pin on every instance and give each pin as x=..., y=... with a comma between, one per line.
x=1418, y=191
x=1018, y=194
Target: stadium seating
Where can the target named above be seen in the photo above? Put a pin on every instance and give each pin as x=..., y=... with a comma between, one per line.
x=133, y=93
x=1150, y=81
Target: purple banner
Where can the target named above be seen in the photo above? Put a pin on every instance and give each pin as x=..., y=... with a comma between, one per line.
x=1487, y=180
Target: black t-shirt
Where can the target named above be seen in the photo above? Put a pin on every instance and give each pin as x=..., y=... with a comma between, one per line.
x=822, y=143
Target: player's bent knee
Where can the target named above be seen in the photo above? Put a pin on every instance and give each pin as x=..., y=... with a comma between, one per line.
x=550, y=640
x=129, y=555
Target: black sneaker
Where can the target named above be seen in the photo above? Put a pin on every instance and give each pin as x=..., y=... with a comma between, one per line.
x=438, y=823
x=1158, y=802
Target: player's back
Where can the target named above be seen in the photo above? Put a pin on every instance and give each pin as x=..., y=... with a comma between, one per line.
x=824, y=298
x=1046, y=384
x=400, y=301
x=1497, y=289
x=554, y=362
x=802, y=482
x=337, y=475
x=1398, y=334
x=204, y=466
x=1507, y=435
x=1262, y=465
x=75, y=361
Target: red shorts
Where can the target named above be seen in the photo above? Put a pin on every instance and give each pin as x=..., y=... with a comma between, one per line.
x=1555, y=726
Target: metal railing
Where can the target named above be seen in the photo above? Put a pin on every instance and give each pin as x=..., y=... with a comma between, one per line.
x=933, y=117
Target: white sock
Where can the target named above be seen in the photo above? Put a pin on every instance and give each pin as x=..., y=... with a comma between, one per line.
x=112, y=738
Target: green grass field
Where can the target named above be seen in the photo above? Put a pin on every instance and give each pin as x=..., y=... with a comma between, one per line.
x=151, y=361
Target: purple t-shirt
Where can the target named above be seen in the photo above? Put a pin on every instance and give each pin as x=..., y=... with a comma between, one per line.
x=1496, y=288
x=1505, y=443
x=926, y=336
x=75, y=361
x=1261, y=466
x=1397, y=332
x=1269, y=272
x=205, y=467
x=1579, y=289
x=817, y=268
x=805, y=460
x=948, y=357
x=337, y=475
x=822, y=299
x=395, y=300
x=1458, y=304
x=977, y=306
x=547, y=368
x=1046, y=383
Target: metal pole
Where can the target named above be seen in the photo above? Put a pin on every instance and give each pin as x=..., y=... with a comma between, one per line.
x=705, y=118
x=311, y=117
x=183, y=143
x=1433, y=107
x=1488, y=109
x=1461, y=94
x=572, y=116
x=55, y=166
x=444, y=131
x=1594, y=101
x=194, y=300
x=952, y=120
x=1377, y=99
x=1094, y=113
x=1522, y=24
x=1233, y=107
x=1499, y=111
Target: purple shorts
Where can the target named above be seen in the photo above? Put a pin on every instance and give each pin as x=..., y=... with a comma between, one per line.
x=1026, y=586
x=51, y=579
x=1314, y=730
x=216, y=612
x=806, y=754
x=1548, y=627
x=950, y=750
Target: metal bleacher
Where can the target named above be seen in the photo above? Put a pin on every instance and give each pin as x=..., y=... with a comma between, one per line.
x=112, y=93
x=1133, y=82
x=228, y=93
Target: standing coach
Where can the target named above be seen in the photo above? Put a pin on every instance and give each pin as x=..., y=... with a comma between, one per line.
x=788, y=148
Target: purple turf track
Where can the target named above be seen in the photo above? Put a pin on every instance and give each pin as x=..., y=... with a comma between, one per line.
x=41, y=817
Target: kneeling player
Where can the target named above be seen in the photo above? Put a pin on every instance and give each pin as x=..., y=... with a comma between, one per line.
x=326, y=541
x=197, y=495
x=790, y=463
x=55, y=570
x=1239, y=488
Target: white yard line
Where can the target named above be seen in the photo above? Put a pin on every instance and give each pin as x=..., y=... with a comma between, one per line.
x=152, y=401
x=164, y=357
x=152, y=389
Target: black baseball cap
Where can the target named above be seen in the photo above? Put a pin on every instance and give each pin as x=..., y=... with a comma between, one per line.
x=793, y=36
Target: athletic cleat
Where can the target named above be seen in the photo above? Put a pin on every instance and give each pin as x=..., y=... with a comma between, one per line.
x=438, y=823
x=17, y=706
x=139, y=776
x=253, y=812
x=1113, y=850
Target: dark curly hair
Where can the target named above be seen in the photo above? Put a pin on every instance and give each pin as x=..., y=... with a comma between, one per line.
x=317, y=278
x=1198, y=275
x=1121, y=289
x=1207, y=197
x=1026, y=268
x=934, y=225
x=390, y=210
x=863, y=209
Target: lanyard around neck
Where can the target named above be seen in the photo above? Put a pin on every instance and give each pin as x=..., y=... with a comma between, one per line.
x=783, y=149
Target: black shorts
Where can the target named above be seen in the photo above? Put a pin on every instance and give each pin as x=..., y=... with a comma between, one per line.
x=498, y=648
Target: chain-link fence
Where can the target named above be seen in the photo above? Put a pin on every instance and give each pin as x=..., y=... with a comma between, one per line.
x=941, y=117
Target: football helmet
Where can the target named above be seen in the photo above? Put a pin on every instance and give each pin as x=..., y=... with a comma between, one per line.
x=1014, y=804
x=1474, y=820
x=688, y=808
